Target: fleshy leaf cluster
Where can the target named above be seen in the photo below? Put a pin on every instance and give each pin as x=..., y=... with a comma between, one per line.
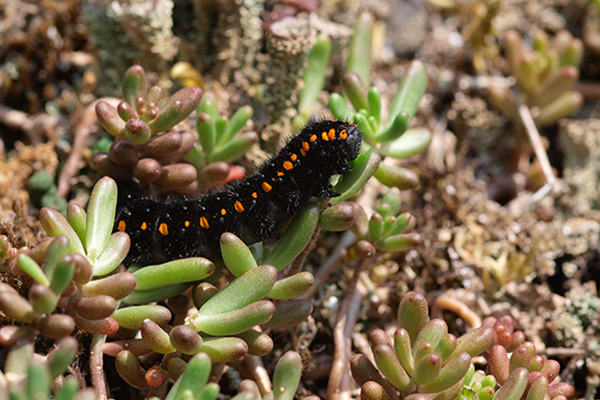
x=151, y=148
x=386, y=228
x=423, y=361
x=545, y=75
x=146, y=144
x=191, y=380
x=27, y=377
x=393, y=138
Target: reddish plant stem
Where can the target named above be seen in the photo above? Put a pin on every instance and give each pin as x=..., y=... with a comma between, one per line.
x=81, y=133
x=330, y=264
x=259, y=373
x=340, y=379
x=96, y=367
x=460, y=308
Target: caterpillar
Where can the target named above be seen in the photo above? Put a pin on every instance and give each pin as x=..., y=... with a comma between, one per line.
x=253, y=208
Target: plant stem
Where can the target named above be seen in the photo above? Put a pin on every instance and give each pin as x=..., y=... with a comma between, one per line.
x=96, y=367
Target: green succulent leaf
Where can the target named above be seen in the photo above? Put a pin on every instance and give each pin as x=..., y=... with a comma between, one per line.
x=338, y=107
x=450, y=375
x=236, y=255
x=68, y=390
x=156, y=338
x=411, y=89
x=176, y=108
x=414, y=141
x=413, y=314
x=100, y=217
x=289, y=313
x=515, y=385
x=205, y=126
x=295, y=239
x=356, y=91
x=292, y=287
x=32, y=269
x=173, y=273
x=60, y=359
x=38, y=381
x=359, y=57
x=208, y=104
x=338, y=217
x=394, y=131
x=232, y=322
x=63, y=273
x=314, y=74
x=134, y=84
x=388, y=364
x=224, y=349
x=55, y=225
x=237, y=122
x=364, y=167
x=133, y=317
x=286, y=376
x=77, y=218
x=113, y=254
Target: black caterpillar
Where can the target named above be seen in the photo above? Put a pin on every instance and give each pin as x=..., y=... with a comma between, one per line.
x=252, y=208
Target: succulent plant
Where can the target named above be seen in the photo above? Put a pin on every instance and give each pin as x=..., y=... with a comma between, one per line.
x=393, y=138
x=422, y=357
x=423, y=361
x=26, y=377
x=191, y=378
x=149, y=148
x=544, y=75
x=72, y=271
x=386, y=228
x=43, y=192
x=220, y=140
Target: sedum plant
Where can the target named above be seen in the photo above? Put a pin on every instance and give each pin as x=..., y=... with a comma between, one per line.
x=386, y=228
x=389, y=137
x=149, y=147
x=43, y=192
x=75, y=271
x=27, y=377
x=191, y=378
x=223, y=325
x=423, y=361
x=545, y=75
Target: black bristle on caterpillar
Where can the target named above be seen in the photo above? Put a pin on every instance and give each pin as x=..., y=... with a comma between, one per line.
x=252, y=208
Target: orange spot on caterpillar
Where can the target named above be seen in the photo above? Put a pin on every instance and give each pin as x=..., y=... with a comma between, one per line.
x=254, y=195
x=313, y=138
x=187, y=224
x=305, y=146
x=302, y=152
x=122, y=226
x=279, y=173
x=294, y=157
x=204, y=223
x=344, y=134
x=223, y=211
x=288, y=165
x=331, y=134
x=238, y=206
x=163, y=229
x=144, y=226
x=266, y=187
x=324, y=136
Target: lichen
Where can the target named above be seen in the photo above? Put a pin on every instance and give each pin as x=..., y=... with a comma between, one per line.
x=289, y=42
